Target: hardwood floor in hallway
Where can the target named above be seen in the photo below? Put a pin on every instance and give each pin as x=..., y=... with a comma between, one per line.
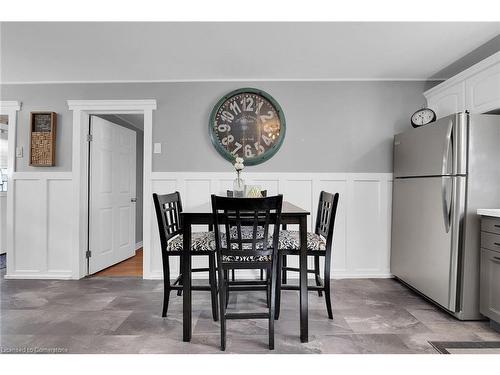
x=129, y=267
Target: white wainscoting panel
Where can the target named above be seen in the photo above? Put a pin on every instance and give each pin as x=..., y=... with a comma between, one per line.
x=42, y=234
x=362, y=228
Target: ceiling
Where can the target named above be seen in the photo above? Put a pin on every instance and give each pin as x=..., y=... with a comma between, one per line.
x=74, y=52
x=135, y=120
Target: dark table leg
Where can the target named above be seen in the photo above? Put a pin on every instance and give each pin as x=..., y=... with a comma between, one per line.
x=304, y=329
x=186, y=280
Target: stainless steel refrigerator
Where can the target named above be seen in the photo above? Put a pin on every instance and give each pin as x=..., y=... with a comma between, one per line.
x=444, y=172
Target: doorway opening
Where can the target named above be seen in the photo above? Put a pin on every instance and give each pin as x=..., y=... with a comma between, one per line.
x=115, y=196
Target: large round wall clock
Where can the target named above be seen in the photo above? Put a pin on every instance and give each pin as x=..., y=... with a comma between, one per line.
x=247, y=123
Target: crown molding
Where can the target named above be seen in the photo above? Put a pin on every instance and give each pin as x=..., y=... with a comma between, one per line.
x=395, y=79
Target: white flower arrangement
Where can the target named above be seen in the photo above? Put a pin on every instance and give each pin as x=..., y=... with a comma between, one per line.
x=238, y=165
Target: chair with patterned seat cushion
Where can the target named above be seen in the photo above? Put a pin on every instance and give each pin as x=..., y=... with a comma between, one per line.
x=168, y=209
x=241, y=245
x=319, y=244
x=200, y=241
x=290, y=240
x=263, y=193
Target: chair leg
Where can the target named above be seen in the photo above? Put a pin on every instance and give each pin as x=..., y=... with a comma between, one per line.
x=179, y=292
x=166, y=285
x=326, y=281
x=277, y=287
x=274, y=279
x=283, y=263
x=262, y=274
x=213, y=285
x=222, y=307
x=268, y=291
x=283, y=277
x=226, y=279
x=316, y=273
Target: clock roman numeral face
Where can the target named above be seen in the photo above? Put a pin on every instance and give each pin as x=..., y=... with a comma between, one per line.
x=246, y=125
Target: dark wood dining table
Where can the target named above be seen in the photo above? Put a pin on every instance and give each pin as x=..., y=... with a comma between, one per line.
x=202, y=214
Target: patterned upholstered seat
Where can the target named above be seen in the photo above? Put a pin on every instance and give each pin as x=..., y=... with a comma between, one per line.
x=290, y=240
x=263, y=258
x=200, y=241
x=205, y=241
x=247, y=233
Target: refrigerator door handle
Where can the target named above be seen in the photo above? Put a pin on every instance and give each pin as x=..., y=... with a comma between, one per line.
x=446, y=205
x=456, y=216
x=444, y=179
x=446, y=151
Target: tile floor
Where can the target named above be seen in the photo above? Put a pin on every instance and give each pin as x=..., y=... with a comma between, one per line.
x=122, y=315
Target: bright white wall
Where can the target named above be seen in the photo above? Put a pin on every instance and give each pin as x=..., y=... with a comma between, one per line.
x=363, y=224
x=43, y=226
x=43, y=223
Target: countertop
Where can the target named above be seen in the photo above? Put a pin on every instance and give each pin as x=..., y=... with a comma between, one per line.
x=495, y=212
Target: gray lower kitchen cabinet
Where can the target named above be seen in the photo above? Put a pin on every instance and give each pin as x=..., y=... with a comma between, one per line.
x=490, y=284
x=490, y=269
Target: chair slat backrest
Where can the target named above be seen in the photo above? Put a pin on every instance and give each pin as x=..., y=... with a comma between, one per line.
x=168, y=209
x=233, y=217
x=230, y=194
x=325, y=218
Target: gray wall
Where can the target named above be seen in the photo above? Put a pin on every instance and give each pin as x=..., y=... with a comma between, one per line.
x=139, y=171
x=339, y=126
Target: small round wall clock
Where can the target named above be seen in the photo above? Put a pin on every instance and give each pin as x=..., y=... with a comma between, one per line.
x=423, y=117
x=247, y=123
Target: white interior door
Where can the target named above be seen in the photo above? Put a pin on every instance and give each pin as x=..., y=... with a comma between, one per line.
x=112, y=194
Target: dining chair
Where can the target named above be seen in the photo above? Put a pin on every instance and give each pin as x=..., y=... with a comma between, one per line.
x=319, y=244
x=240, y=248
x=168, y=209
x=229, y=193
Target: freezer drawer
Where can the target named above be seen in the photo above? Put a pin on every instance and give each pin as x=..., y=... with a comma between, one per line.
x=432, y=150
x=425, y=235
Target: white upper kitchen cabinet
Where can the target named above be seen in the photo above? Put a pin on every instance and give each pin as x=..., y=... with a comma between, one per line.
x=483, y=90
x=447, y=101
x=476, y=89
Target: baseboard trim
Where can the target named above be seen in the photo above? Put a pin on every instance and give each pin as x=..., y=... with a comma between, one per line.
x=138, y=245
x=159, y=276
x=38, y=276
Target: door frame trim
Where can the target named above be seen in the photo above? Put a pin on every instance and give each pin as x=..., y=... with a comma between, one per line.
x=82, y=109
x=11, y=109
